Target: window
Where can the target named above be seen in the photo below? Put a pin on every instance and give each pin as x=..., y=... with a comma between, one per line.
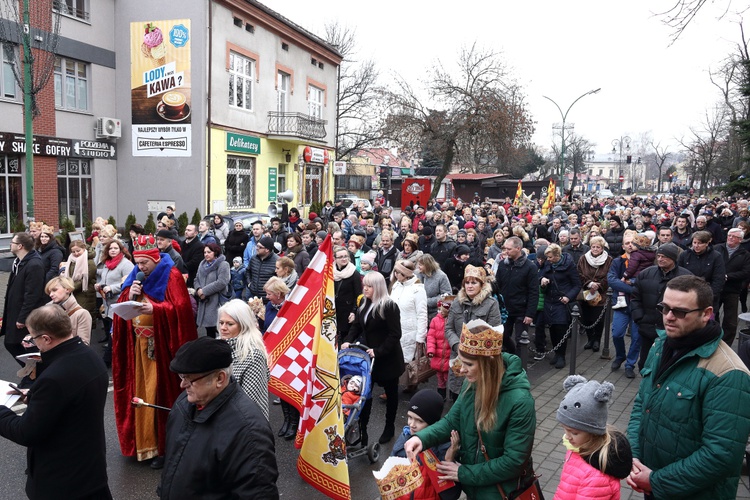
x=74, y=190
x=249, y=28
x=285, y=46
x=282, y=92
x=353, y=182
x=240, y=182
x=74, y=8
x=313, y=185
x=241, y=77
x=238, y=22
x=9, y=89
x=11, y=193
x=315, y=102
x=71, y=84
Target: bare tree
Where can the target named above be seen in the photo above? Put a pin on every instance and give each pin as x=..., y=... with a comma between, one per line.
x=40, y=38
x=705, y=144
x=661, y=155
x=682, y=13
x=360, y=110
x=477, y=117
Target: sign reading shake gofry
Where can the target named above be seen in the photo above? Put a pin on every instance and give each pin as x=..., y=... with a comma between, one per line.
x=160, y=87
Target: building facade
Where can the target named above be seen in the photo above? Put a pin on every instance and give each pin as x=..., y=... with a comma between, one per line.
x=218, y=105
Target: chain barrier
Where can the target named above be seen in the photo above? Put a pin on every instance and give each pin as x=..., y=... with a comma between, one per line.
x=565, y=337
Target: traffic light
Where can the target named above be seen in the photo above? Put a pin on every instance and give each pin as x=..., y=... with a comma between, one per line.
x=630, y=159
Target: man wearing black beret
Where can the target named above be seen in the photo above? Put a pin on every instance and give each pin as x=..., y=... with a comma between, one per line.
x=164, y=239
x=219, y=443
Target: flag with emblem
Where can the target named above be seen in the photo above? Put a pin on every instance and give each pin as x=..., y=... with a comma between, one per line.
x=302, y=356
x=519, y=195
x=549, y=201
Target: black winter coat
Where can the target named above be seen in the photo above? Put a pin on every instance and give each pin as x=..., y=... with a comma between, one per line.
x=441, y=251
x=709, y=265
x=259, y=272
x=383, y=334
x=564, y=282
x=579, y=252
x=682, y=240
x=737, y=268
x=647, y=292
x=614, y=240
x=52, y=255
x=235, y=244
x=225, y=450
x=386, y=261
x=518, y=282
x=192, y=256
x=454, y=269
x=63, y=425
x=346, y=292
x=24, y=294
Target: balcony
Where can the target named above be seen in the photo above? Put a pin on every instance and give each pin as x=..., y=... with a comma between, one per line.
x=296, y=124
x=73, y=8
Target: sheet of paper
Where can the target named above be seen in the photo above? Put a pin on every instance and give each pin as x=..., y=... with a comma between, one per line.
x=6, y=399
x=128, y=309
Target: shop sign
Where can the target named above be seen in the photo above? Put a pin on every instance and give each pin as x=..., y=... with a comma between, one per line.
x=315, y=155
x=239, y=143
x=15, y=144
x=272, y=183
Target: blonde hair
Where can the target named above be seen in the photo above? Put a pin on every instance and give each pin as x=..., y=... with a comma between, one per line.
x=598, y=240
x=250, y=337
x=487, y=389
x=276, y=285
x=62, y=281
x=380, y=297
x=602, y=444
x=553, y=249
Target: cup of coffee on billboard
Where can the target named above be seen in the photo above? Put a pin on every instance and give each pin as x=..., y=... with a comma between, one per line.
x=174, y=104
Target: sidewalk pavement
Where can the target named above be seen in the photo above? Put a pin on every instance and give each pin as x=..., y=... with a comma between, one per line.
x=549, y=452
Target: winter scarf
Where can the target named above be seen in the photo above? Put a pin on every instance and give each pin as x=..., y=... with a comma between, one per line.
x=342, y=274
x=114, y=261
x=596, y=261
x=80, y=271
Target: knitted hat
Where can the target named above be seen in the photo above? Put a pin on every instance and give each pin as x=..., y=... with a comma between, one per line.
x=427, y=404
x=616, y=218
x=470, y=225
x=321, y=234
x=312, y=216
x=145, y=246
x=427, y=231
x=369, y=257
x=237, y=260
x=480, y=339
x=463, y=250
x=405, y=271
x=202, y=355
x=461, y=232
x=669, y=250
x=584, y=407
x=355, y=384
x=266, y=242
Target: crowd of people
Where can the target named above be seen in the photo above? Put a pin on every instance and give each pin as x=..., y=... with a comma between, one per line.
x=456, y=282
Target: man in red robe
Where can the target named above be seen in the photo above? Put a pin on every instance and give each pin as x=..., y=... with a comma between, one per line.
x=143, y=347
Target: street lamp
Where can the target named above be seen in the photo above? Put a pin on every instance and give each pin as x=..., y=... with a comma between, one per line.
x=619, y=143
x=564, y=116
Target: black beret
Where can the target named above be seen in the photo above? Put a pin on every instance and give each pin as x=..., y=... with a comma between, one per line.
x=165, y=233
x=202, y=355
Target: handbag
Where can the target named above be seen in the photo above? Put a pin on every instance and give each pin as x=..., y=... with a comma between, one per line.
x=528, y=490
x=418, y=370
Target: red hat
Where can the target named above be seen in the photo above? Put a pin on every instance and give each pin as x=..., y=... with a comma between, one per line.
x=312, y=216
x=470, y=225
x=145, y=246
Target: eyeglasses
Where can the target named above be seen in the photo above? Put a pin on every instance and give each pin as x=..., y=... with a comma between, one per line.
x=664, y=309
x=193, y=381
x=32, y=340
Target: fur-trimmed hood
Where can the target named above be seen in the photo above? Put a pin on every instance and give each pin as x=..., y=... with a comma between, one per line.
x=485, y=292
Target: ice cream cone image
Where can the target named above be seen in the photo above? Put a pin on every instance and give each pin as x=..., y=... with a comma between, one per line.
x=153, y=46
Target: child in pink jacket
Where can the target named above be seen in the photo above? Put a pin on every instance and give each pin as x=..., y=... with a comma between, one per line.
x=598, y=456
x=438, y=348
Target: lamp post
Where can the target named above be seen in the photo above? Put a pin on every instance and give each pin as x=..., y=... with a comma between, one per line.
x=619, y=143
x=564, y=117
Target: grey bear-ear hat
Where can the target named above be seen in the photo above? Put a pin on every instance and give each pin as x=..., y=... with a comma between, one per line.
x=584, y=407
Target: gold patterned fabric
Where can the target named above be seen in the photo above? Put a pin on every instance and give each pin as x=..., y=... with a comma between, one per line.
x=487, y=342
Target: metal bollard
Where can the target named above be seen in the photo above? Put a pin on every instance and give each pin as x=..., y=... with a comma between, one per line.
x=607, y=325
x=522, y=348
x=574, y=338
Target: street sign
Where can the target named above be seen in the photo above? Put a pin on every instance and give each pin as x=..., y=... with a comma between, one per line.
x=622, y=179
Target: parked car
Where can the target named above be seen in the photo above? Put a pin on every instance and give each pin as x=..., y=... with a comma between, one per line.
x=348, y=202
x=604, y=193
x=247, y=219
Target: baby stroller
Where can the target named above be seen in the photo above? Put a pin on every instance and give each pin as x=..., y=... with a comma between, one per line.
x=356, y=361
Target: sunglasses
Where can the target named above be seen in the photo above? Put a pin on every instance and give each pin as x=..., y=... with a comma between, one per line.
x=664, y=309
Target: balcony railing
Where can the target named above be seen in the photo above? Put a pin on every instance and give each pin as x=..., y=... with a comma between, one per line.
x=296, y=124
x=68, y=7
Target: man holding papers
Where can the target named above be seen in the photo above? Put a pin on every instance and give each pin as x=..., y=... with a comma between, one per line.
x=63, y=425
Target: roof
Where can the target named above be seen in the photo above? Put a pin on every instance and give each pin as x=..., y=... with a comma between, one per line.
x=377, y=156
x=473, y=177
x=309, y=35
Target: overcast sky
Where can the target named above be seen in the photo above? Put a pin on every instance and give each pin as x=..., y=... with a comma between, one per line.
x=560, y=49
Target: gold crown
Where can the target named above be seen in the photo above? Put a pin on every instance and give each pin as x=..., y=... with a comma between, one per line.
x=36, y=225
x=48, y=229
x=144, y=242
x=400, y=480
x=487, y=342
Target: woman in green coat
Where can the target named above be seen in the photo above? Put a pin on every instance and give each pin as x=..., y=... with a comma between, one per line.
x=495, y=401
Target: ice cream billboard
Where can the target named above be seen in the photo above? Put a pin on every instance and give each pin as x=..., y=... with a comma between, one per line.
x=160, y=87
